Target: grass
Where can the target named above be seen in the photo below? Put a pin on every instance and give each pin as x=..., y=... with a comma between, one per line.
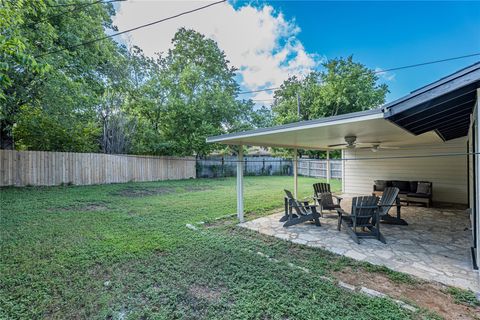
x=466, y=297
x=123, y=252
x=397, y=277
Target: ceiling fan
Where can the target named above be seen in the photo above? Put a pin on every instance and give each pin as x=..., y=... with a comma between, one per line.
x=351, y=143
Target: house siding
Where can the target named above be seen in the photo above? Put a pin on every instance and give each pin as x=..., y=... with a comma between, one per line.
x=448, y=173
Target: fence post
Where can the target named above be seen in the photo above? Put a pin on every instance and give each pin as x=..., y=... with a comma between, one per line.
x=223, y=167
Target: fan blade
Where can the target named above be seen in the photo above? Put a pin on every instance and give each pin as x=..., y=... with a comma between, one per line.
x=382, y=147
x=337, y=145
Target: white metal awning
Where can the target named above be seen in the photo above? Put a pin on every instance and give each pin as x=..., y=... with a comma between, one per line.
x=367, y=126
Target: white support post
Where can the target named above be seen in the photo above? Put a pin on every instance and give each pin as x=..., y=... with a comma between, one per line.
x=295, y=173
x=240, y=184
x=328, y=166
x=343, y=171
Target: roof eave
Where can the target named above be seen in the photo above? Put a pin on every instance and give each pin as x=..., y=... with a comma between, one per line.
x=341, y=119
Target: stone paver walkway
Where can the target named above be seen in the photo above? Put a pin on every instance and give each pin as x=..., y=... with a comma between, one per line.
x=434, y=246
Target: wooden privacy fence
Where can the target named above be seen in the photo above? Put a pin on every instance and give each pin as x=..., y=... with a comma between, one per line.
x=41, y=168
x=318, y=168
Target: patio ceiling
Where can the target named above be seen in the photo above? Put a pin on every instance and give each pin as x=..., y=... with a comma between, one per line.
x=368, y=126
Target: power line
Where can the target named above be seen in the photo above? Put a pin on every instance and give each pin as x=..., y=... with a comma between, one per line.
x=281, y=159
x=429, y=62
x=129, y=30
x=259, y=90
x=390, y=69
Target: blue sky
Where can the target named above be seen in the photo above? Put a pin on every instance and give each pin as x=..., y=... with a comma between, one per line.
x=268, y=41
x=390, y=34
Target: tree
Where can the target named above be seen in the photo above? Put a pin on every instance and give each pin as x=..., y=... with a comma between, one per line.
x=262, y=118
x=285, y=106
x=65, y=86
x=16, y=62
x=344, y=86
x=348, y=87
x=199, y=88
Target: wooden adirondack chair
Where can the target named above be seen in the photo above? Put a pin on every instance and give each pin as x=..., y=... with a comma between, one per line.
x=324, y=197
x=321, y=187
x=363, y=221
x=387, y=201
x=303, y=212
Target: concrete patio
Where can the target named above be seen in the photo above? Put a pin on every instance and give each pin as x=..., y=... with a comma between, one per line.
x=434, y=246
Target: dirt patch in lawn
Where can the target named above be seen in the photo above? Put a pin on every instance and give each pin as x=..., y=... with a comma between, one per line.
x=206, y=293
x=197, y=188
x=430, y=296
x=144, y=192
x=86, y=207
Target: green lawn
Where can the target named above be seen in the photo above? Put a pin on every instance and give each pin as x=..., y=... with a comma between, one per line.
x=123, y=251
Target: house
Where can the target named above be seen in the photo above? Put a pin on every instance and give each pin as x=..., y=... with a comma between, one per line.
x=430, y=134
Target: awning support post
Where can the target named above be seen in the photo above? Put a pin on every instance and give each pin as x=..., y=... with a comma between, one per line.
x=240, y=184
x=295, y=173
x=329, y=170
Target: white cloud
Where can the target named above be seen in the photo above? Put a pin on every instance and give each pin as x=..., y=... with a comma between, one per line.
x=259, y=41
x=387, y=76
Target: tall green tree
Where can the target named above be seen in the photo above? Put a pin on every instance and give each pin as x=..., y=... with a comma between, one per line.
x=64, y=87
x=343, y=86
x=200, y=90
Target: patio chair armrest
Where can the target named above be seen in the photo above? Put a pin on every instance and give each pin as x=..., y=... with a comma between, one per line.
x=339, y=199
x=299, y=206
x=366, y=207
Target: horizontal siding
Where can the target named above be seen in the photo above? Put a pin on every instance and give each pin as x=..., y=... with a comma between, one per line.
x=447, y=173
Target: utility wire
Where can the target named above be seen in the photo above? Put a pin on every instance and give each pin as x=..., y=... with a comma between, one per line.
x=259, y=90
x=390, y=69
x=429, y=62
x=129, y=30
x=433, y=155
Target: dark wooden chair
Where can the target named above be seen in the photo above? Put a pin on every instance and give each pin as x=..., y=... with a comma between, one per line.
x=321, y=187
x=387, y=201
x=324, y=197
x=363, y=221
x=325, y=202
x=303, y=212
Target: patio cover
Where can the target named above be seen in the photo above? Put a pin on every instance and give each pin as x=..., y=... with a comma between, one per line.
x=432, y=114
x=367, y=126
